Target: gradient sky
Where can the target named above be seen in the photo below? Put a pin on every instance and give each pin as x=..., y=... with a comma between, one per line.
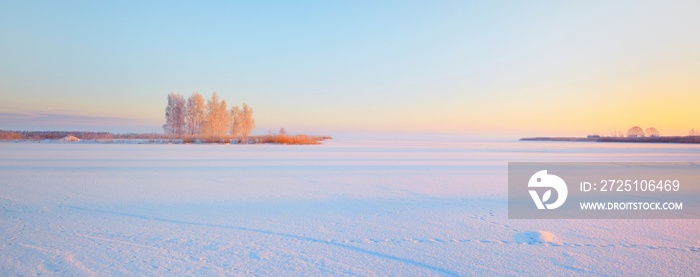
x=521, y=68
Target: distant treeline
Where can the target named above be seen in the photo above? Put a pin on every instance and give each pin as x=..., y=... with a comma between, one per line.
x=41, y=135
x=106, y=137
x=665, y=139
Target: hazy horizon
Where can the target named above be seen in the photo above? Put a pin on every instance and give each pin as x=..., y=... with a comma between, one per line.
x=480, y=68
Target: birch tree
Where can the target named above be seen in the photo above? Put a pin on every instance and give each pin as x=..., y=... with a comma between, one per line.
x=243, y=121
x=248, y=122
x=218, y=117
x=196, y=114
x=237, y=121
x=223, y=119
x=175, y=114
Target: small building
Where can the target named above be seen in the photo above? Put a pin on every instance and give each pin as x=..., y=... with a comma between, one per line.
x=70, y=138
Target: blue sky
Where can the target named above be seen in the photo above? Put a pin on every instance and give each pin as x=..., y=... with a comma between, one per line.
x=545, y=67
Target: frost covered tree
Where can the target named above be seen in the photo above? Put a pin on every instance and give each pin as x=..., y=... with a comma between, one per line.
x=218, y=117
x=635, y=132
x=617, y=134
x=196, y=115
x=224, y=120
x=211, y=118
x=652, y=132
x=248, y=120
x=212, y=106
x=175, y=114
x=243, y=121
x=237, y=121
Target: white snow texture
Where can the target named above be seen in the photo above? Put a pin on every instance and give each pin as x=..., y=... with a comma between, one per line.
x=343, y=208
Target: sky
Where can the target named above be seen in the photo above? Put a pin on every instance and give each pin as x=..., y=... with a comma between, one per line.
x=521, y=68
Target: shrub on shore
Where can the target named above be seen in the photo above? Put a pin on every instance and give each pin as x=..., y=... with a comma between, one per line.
x=295, y=139
x=6, y=135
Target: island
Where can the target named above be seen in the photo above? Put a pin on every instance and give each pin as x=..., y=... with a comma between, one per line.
x=659, y=139
x=634, y=134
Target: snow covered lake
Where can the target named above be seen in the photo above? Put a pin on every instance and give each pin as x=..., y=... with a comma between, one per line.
x=343, y=208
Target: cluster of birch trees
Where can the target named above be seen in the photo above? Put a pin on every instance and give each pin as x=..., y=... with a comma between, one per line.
x=196, y=116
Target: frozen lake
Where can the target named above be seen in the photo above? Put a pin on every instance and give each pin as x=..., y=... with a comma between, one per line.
x=342, y=208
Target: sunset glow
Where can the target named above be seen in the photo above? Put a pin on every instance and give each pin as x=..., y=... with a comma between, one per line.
x=483, y=68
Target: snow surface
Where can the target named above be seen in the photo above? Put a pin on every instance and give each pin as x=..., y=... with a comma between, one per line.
x=342, y=208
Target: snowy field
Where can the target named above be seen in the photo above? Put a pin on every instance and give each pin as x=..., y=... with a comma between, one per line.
x=343, y=208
